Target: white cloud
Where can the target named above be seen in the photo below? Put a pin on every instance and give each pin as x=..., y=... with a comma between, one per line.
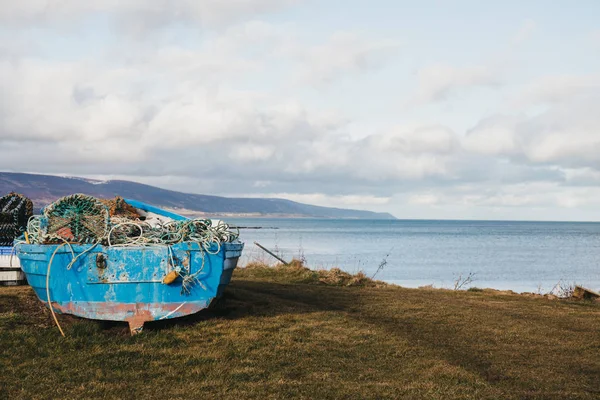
x=138, y=15
x=566, y=135
x=321, y=199
x=493, y=136
x=439, y=82
x=525, y=31
x=82, y=116
x=555, y=89
x=582, y=176
x=343, y=52
x=253, y=152
x=532, y=194
x=442, y=81
x=424, y=139
x=426, y=199
x=210, y=115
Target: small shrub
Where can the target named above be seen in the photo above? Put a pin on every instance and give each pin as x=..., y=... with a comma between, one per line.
x=474, y=289
x=462, y=282
x=562, y=290
x=382, y=264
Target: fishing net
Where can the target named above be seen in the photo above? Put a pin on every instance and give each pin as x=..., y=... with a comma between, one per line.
x=84, y=219
x=76, y=218
x=15, y=211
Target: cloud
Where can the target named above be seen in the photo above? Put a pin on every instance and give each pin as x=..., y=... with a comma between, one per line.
x=321, y=199
x=439, y=82
x=209, y=114
x=391, y=156
x=582, y=176
x=442, y=81
x=77, y=116
x=175, y=111
x=566, y=135
x=519, y=195
x=138, y=16
x=434, y=139
x=555, y=124
x=493, y=136
x=84, y=118
x=343, y=52
x=524, y=33
x=555, y=89
x=48, y=104
x=426, y=199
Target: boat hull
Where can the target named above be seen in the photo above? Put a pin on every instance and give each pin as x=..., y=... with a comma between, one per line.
x=126, y=283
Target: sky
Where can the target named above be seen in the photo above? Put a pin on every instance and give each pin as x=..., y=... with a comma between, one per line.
x=424, y=109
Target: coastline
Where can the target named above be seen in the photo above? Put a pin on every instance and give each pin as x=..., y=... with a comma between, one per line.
x=520, y=256
x=297, y=272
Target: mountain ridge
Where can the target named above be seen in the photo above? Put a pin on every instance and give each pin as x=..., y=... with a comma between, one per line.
x=44, y=189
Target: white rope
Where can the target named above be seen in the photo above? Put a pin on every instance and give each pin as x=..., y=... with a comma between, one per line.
x=172, y=312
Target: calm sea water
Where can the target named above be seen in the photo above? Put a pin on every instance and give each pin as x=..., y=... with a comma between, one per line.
x=522, y=256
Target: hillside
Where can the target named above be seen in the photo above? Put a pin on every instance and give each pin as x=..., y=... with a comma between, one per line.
x=43, y=189
x=279, y=335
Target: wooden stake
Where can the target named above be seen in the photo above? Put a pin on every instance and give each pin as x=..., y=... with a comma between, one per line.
x=269, y=252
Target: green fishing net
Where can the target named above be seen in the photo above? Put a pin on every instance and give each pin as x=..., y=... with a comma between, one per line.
x=76, y=218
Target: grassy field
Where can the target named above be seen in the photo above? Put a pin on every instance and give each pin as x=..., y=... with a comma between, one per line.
x=290, y=333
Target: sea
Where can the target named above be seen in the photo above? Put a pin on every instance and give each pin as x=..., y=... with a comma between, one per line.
x=507, y=255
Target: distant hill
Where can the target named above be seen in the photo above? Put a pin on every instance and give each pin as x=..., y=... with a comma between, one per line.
x=44, y=189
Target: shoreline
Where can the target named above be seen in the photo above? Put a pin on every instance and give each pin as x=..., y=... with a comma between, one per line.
x=516, y=287
x=560, y=290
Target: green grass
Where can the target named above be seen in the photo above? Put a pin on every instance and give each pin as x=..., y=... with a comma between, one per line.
x=288, y=333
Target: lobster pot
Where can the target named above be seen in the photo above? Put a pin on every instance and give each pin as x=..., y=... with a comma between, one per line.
x=10, y=274
x=15, y=211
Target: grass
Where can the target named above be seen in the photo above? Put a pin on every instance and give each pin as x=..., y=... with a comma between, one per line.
x=287, y=332
x=296, y=272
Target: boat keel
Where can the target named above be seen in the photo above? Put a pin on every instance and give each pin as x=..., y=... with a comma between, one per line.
x=136, y=327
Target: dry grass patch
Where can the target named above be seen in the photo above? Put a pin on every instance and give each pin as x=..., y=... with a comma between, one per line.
x=296, y=272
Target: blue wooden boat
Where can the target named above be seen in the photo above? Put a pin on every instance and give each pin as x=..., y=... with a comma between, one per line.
x=127, y=283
